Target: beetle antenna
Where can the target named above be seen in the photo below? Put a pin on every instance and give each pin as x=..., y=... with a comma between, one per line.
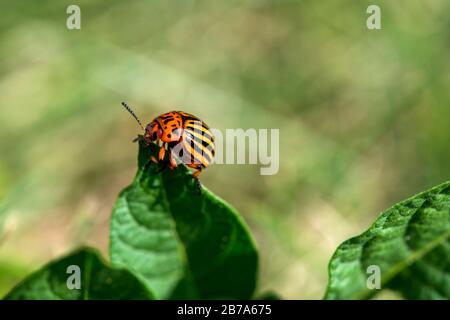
x=126, y=106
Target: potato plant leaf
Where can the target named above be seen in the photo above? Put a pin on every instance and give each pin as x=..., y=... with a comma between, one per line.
x=409, y=243
x=97, y=281
x=180, y=243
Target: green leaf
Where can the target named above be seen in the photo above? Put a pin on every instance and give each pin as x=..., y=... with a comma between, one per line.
x=409, y=243
x=98, y=282
x=182, y=244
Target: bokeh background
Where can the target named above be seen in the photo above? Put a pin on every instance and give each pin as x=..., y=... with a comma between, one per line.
x=364, y=117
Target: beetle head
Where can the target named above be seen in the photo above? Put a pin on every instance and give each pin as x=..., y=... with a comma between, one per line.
x=152, y=132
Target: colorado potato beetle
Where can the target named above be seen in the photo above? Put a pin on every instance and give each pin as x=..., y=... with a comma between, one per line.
x=183, y=135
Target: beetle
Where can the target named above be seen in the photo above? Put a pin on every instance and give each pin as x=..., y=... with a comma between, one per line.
x=183, y=136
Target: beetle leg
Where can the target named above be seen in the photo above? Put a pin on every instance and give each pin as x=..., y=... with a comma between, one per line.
x=161, y=167
x=149, y=162
x=139, y=138
x=198, y=184
x=197, y=173
x=172, y=162
x=162, y=152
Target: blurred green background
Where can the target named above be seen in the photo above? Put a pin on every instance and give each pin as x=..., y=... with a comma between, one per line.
x=364, y=117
